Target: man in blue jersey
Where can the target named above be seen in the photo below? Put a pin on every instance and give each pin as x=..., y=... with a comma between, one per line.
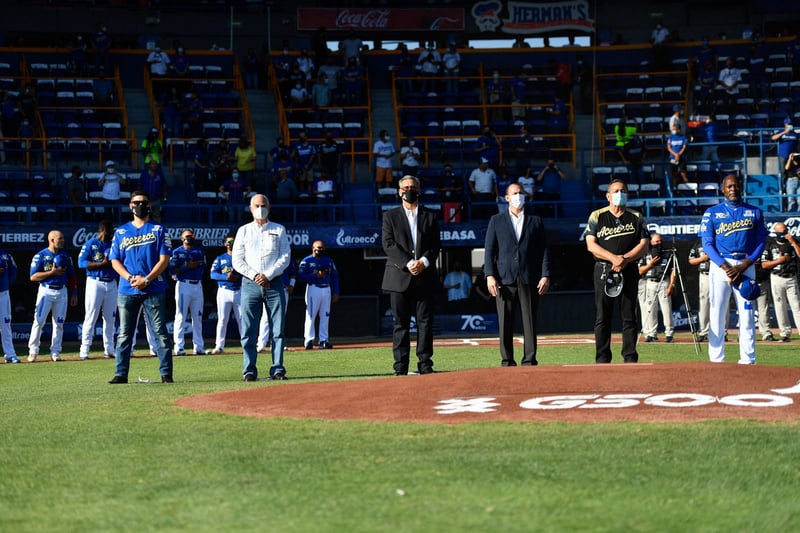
x=140, y=252
x=229, y=285
x=101, y=289
x=261, y=252
x=787, y=144
x=186, y=266
x=733, y=235
x=8, y=273
x=319, y=274
x=53, y=270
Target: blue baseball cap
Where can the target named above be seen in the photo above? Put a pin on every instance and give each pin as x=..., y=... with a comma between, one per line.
x=748, y=288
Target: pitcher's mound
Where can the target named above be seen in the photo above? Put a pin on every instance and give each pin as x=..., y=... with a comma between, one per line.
x=644, y=392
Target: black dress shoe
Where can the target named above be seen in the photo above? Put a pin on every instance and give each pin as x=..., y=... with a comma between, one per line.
x=249, y=377
x=118, y=379
x=279, y=376
x=426, y=371
x=508, y=363
x=167, y=378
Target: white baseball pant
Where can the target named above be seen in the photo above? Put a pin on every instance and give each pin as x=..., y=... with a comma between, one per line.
x=655, y=291
x=785, y=294
x=5, y=325
x=228, y=302
x=318, y=303
x=53, y=302
x=703, y=303
x=188, y=305
x=719, y=294
x=101, y=296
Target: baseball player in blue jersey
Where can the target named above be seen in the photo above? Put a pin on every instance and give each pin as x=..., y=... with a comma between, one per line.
x=8, y=273
x=187, y=265
x=53, y=270
x=319, y=274
x=229, y=294
x=734, y=236
x=289, y=279
x=101, y=290
x=140, y=252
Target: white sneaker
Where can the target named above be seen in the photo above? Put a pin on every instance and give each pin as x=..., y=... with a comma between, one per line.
x=55, y=357
x=32, y=357
x=217, y=351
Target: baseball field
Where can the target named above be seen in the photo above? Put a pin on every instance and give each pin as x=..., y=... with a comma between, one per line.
x=346, y=452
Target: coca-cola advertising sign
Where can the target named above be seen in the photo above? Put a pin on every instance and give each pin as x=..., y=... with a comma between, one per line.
x=380, y=19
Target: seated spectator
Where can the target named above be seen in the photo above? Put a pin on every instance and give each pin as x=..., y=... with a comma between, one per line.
x=483, y=188
x=410, y=158
x=298, y=97
x=235, y=191
x=548, y=189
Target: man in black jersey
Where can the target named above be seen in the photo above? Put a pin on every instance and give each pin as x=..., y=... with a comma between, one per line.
x=617, y=238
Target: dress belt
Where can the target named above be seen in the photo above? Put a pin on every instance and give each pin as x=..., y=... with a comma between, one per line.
x=735, y=255
x=192, y=281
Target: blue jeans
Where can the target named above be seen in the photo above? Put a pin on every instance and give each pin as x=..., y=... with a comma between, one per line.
x=254, y=299
x=154, y=310
x=792, y=188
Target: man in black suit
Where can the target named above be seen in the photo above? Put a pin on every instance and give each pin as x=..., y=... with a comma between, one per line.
x=410, y=238
x=517, y=268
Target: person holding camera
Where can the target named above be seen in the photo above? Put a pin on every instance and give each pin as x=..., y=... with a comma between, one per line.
x=159, y=62
x=658, y=286
x=548, y=188
x=787, y=143
x=791, y=185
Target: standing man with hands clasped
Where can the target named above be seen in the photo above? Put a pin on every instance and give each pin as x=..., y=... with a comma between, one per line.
x=517, y=266
x=617, y=238
x=186, y=266
x=411, y=242
x=261, y=252
x=140, y=252
x=734, y=236
x=322, y=288
x=101, y=290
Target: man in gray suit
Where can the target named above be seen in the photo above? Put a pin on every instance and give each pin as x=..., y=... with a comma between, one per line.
x=411, y=242
x=517, y=268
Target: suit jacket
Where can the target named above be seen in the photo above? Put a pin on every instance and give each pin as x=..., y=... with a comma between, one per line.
x=399, y=248
x=506, y=259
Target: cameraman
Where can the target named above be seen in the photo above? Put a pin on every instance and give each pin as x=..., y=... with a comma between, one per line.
x=548, y=189
x=791, y=185
x=657, y=286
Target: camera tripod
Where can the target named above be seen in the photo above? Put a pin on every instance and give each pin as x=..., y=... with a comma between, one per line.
x=673, y=262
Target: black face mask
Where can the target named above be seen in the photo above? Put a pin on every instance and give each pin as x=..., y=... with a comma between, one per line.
x=141, y=211
x=410, y=196
x=655, y=251
x=780, y=237
x=188, y=240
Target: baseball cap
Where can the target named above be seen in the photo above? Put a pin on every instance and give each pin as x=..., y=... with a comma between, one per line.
x=676, y=107
x=484, y=160
x=614, y=282
x=787, y=120
x=110, y=163
x=748, y=288
x=153, y=130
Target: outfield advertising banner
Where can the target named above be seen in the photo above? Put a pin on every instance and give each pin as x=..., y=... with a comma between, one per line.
x=380, y=19
x=470, y=235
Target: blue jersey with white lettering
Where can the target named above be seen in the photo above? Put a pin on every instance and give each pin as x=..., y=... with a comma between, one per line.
x=139, y=249
x=96, y=251
x=179, y=265
x=46, y=260
x=730, y=228
x=307, y=272
x=9, y=273
x=220, y=268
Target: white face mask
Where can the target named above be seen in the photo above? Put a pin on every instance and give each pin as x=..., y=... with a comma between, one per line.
x=517, y=200
x=619, y=199
x=260, y=213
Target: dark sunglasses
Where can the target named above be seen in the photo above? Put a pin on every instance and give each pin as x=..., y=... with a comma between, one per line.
x=140, y=202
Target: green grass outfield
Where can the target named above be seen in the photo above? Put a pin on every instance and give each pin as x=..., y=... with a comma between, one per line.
x=81, y=455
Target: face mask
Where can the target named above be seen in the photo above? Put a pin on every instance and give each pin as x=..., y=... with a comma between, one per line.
x=674, y=132
x=319, y=252
x=141, y=211
x=298, y=86
x=235, y=175
x=188, y=240
x=619, y=199
x=655, y=250
x=517, y=200
x=261, y=213
x=780, y=236
x=410, y=196
x=229, y=245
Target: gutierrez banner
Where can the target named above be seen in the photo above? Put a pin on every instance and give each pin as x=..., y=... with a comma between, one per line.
x=380, y=19
x=530, y=18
